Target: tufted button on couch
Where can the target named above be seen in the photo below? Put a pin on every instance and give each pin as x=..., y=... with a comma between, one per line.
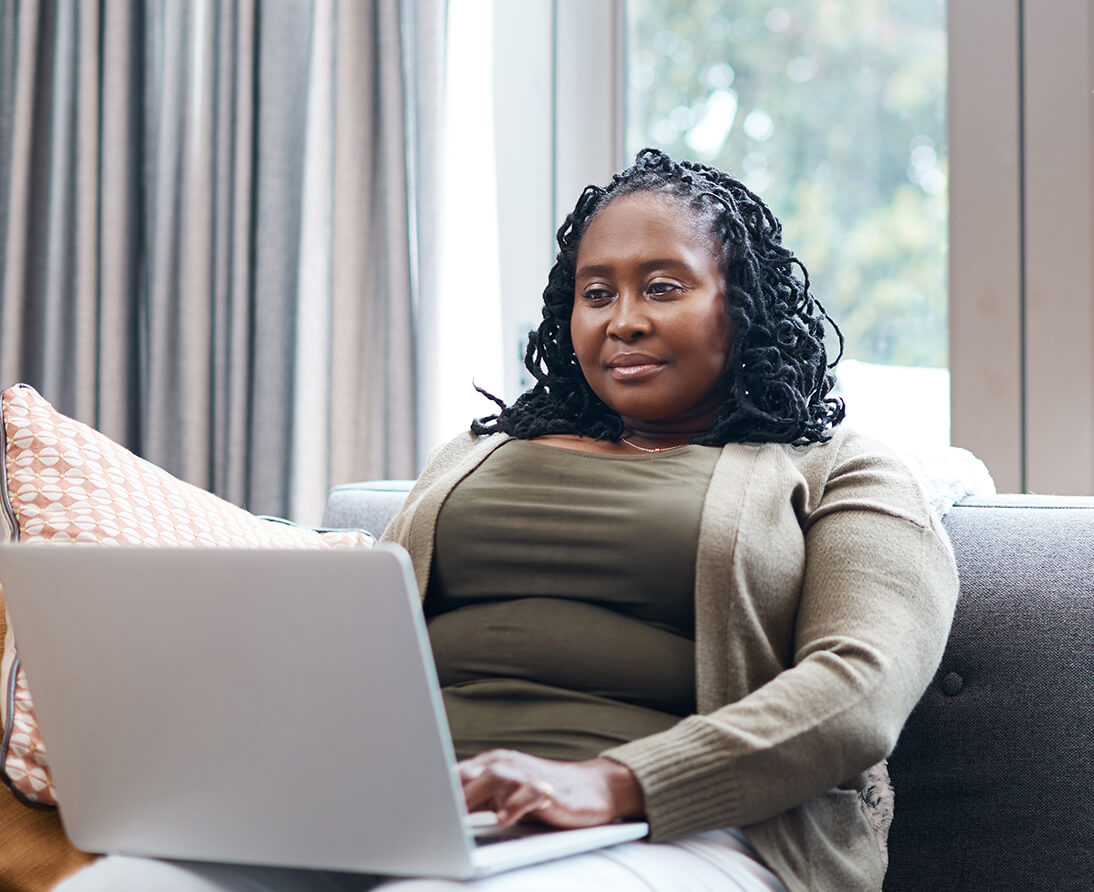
x=994, y=773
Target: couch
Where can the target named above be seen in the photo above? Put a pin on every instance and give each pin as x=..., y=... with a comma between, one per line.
x=994, y=772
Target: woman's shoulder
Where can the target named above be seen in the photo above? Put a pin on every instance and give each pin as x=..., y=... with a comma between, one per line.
x=844, y=443
x=853, y=466
x=466, y=447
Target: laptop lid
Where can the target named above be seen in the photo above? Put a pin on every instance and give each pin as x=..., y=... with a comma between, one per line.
x=254, y=706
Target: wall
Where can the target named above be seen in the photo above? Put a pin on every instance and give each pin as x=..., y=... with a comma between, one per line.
x=1021, y=227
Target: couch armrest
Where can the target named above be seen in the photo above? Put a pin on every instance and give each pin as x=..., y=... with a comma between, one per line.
x=369, y=505
x=993, y=772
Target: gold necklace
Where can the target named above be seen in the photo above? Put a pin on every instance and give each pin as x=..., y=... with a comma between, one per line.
x=644, y=449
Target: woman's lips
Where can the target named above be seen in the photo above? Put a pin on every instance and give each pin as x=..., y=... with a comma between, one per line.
x=634, y=366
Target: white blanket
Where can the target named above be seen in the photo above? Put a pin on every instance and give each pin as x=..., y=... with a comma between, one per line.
x=948, y=475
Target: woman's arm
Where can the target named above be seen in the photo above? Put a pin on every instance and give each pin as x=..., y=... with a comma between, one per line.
x=876, y=601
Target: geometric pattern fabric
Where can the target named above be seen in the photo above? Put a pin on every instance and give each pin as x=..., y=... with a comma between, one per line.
x=62, y=481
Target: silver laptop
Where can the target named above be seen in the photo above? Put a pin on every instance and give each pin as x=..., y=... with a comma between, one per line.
x=261, y=707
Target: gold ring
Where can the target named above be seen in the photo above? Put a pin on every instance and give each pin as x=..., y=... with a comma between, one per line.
x=548, y=791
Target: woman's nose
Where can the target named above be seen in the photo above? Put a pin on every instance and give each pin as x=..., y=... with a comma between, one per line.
x=629, y=319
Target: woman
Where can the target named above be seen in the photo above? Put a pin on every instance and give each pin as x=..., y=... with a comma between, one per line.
x=666, y=582
x=681, y=420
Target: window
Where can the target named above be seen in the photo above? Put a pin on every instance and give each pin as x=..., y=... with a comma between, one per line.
x=834, y=112
x=864, y=82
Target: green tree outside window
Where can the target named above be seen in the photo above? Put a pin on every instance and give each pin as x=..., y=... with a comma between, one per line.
x=834, y=112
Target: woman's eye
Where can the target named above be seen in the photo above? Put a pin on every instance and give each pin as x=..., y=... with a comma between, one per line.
x=662, y=287
x=597, y=295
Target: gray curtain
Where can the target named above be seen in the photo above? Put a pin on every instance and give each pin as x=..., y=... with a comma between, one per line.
x=216, y=231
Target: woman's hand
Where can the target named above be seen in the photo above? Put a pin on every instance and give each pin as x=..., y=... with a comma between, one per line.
x=563, y=794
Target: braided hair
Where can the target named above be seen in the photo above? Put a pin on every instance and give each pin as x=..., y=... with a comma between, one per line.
x=778, y=378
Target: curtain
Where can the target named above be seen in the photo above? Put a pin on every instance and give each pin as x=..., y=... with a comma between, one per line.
x=217, y=233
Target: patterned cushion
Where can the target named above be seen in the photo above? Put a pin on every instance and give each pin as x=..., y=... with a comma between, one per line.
x=61, y=481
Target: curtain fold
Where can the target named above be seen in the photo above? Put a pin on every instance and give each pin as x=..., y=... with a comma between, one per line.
x=121, y=246
x=216, y=227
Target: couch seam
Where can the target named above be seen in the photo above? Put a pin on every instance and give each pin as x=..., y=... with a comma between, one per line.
x=1013, y=507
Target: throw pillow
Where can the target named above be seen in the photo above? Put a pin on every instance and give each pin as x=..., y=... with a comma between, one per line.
x=61, y=481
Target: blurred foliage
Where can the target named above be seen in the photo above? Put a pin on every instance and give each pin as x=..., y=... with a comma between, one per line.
x=834, y=112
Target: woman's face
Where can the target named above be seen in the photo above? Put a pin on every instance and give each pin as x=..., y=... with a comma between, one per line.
x=650, y=325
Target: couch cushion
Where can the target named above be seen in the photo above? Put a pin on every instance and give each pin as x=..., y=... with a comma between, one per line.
x=60, y=482
x=994, y=772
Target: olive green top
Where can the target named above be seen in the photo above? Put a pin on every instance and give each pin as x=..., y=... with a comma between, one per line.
x=561, y=604
x=824, y=591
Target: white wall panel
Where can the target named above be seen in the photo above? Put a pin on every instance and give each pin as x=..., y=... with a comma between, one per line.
x=589, y=96
x=1059, y=234
x=524, y=136
x=985, y=235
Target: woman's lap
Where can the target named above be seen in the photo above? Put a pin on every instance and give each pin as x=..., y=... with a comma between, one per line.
x=720, y=859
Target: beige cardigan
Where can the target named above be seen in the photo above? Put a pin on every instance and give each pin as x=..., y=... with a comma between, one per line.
x=824, y=591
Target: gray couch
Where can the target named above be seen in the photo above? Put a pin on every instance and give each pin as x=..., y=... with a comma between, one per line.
x=994, y=773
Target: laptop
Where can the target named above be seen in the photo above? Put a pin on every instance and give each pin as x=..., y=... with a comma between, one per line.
x=252, y=706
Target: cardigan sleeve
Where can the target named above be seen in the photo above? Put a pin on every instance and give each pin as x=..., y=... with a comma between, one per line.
x=876, y=601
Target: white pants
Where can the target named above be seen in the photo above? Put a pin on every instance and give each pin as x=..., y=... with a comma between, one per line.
x=718, y=860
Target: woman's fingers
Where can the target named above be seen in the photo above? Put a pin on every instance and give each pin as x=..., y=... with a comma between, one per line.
x=488, y=791
x=530, y=799
x=503, y=782
x=515, y=785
